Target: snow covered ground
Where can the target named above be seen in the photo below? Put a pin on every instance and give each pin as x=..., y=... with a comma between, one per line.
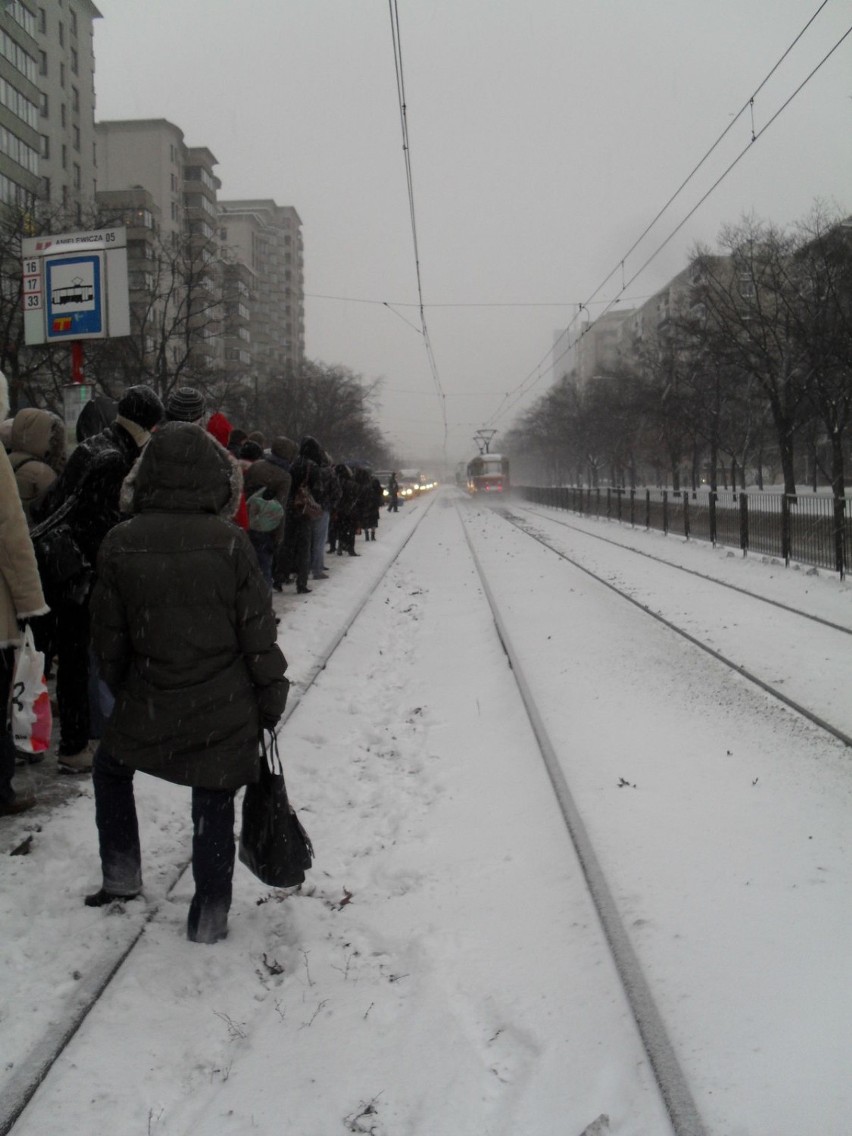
x=443, y=971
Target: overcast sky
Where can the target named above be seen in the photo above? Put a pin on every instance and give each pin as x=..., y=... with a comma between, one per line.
x=545, y=135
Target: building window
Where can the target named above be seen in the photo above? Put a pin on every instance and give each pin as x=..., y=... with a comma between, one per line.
x=42, y=63
x=75, y=99
x=72, y=19
x=75, y=62
x=42, y=21
x=76, y=137
x=45, y=146
x=61, y=74
x=64, y=156
x=62, y=115
x=43, y=104
x=78, y=182
x=61, y=34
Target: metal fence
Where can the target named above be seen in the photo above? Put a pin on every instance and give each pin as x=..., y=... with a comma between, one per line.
x=809, y=529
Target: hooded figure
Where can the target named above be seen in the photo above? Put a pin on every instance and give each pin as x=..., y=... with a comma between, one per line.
x=98, y=413
x=37, y=453
x=298, y=528
x=91, y=485
x=185, y=636
x=20, y=598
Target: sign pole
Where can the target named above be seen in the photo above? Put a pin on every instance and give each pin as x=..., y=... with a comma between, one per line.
x=76, y=361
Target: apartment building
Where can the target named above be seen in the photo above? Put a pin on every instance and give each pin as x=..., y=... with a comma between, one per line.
x=267, y=238
x=588, y=349
x=20, y=101
x=64, y=33
x=166, y=192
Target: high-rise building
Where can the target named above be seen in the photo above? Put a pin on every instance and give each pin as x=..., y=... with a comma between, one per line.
x=179, y=257
x=66, y=70
x=267, y=237
x=20, y=100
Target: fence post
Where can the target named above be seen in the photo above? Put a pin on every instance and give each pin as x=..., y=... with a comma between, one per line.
x=647, y=509
x=713, y=517
x=744, y=523
x=665, y=512
x=785, y=528
x=839, y=543
x=686, y=514
x=608, y=503
x=632, y=508
x=597, y=500
x=618, y=495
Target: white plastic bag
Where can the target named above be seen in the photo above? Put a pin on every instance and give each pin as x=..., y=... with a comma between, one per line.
x=31, y=717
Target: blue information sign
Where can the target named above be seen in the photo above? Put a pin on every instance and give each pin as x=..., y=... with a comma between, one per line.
x=73, y=296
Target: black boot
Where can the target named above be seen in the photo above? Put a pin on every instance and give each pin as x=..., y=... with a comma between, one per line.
x=102, y=898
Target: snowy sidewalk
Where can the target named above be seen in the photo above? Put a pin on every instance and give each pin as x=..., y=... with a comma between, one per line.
x=438, y=976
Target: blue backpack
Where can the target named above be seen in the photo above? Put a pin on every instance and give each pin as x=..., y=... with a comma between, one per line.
x=265, y=513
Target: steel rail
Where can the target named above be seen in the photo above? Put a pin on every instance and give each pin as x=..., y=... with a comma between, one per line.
x=690, y=571
x=672, y=1082
x=30, y=1073
x=815, y=719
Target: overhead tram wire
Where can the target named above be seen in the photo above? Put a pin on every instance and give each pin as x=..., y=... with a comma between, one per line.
x=406, y=148
x=522, y=388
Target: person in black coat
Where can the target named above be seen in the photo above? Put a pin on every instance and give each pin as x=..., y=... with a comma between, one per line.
x=93, y=477
x=185, y=637
x=298, y=528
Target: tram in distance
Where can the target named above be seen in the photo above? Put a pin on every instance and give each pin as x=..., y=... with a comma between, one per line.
x=488, y=473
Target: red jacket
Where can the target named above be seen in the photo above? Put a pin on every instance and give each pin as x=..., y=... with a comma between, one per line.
x=220, y=428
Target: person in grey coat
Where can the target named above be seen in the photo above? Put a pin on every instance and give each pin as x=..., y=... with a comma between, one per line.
x=185, y=636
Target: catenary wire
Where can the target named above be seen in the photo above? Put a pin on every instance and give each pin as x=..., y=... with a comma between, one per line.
x=406, y=147
x=522, y=389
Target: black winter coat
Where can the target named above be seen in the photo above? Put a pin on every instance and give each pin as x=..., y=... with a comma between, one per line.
x=95, y=470
x=182, y=621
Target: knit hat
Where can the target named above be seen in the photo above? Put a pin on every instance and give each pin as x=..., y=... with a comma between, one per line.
x=251, y=451
x=142, y=406
x=185, y=404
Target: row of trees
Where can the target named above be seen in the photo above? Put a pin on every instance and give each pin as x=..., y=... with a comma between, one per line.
x=179, y=300
x=750, y=372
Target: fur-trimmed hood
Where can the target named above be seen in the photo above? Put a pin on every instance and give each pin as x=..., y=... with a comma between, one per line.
x=183, y=469
x=39, y=434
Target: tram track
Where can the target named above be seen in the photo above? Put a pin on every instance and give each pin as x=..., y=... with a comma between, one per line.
x=689, y=571
x=26, y=1075
x=768, y=687
x=662, y=1055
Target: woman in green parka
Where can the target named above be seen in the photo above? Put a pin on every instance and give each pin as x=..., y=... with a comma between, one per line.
x=185, y=636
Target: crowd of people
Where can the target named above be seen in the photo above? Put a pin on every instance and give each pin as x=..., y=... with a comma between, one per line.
x=144, y=562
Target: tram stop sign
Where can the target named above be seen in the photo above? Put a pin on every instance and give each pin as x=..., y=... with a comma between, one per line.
x=75, y=286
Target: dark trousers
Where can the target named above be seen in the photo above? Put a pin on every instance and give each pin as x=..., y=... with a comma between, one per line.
x=297, y=540
x=7, y=742
x=72, y=678
x=118, y=837
x=264, y=547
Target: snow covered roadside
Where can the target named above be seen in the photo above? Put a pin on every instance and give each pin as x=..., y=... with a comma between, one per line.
x=722, y=823
x=806, y=662
x=819, y=592
x=438, y=974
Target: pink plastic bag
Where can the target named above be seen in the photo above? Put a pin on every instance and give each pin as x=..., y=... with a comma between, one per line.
x=31, y=716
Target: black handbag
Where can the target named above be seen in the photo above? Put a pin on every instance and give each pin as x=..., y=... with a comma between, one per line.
x=273, y=844
x=62, y=564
